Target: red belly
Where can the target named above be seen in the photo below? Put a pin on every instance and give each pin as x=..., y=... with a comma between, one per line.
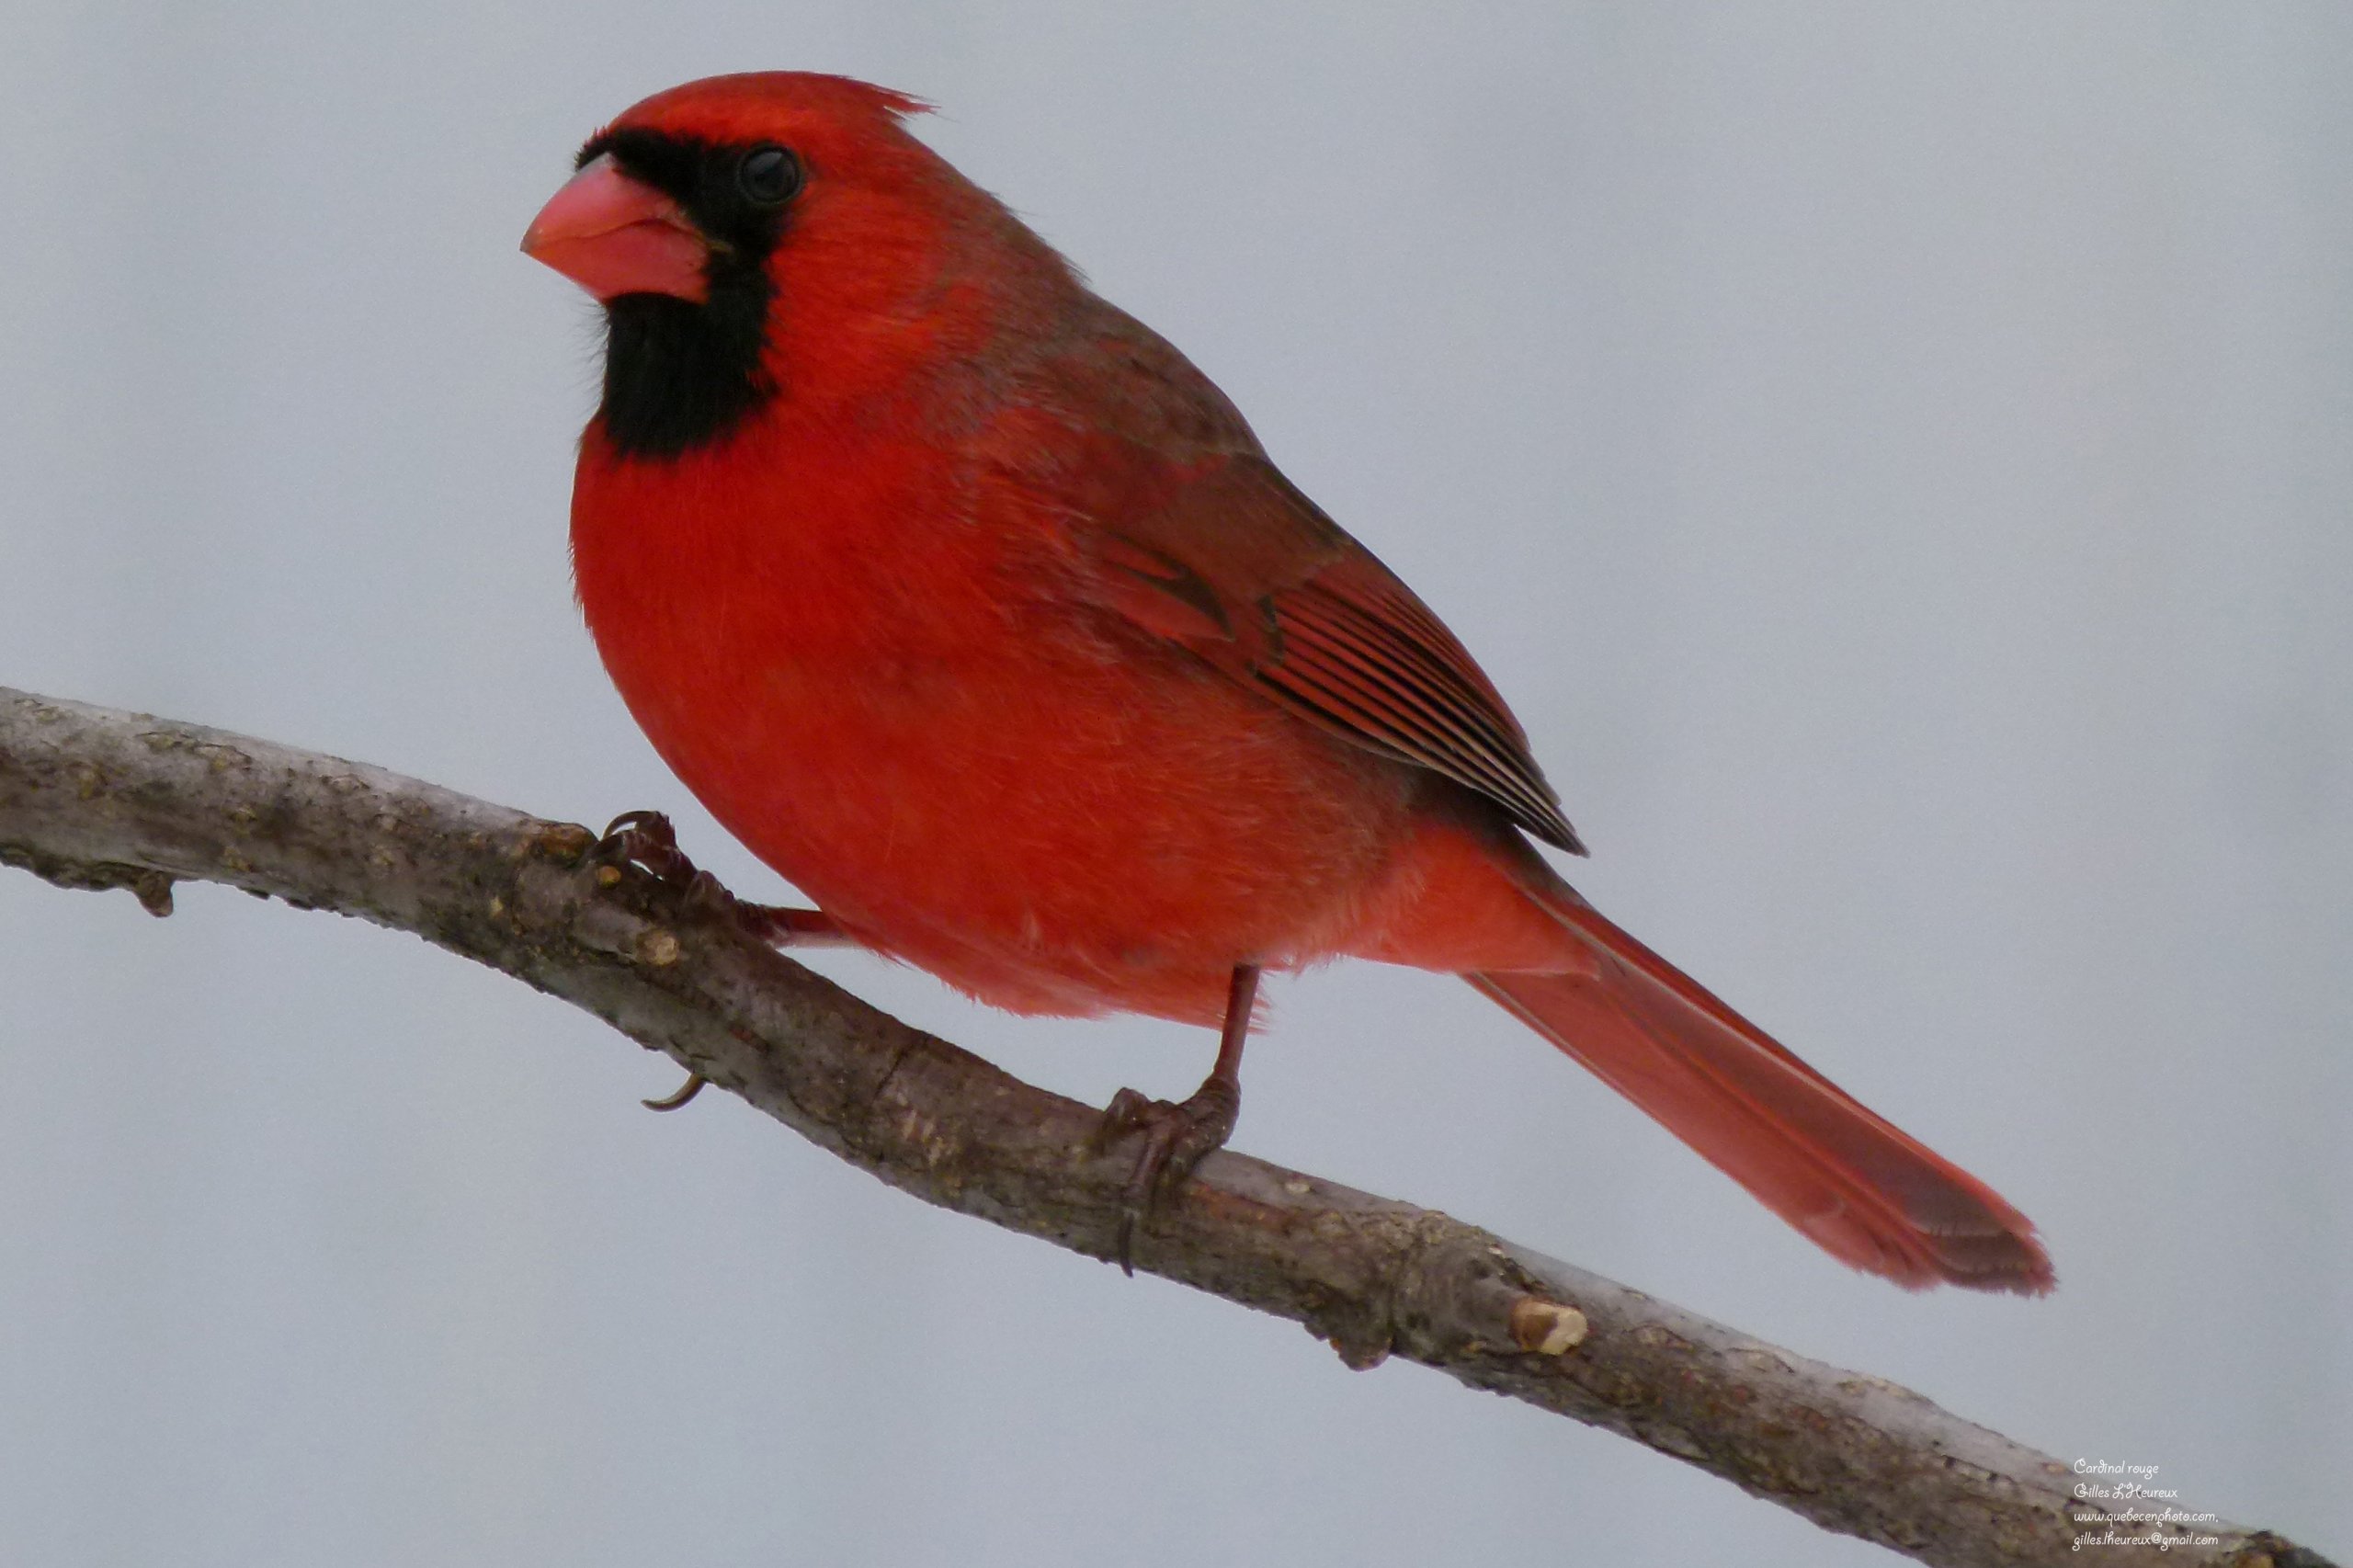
x=1038, y=806
x=1047, y=836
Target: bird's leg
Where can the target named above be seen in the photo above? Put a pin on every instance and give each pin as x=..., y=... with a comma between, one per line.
x=1175, y=1136
x=647, y=840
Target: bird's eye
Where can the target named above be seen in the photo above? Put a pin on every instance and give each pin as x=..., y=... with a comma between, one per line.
x=768, y=174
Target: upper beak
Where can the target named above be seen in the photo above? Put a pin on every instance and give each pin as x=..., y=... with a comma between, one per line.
x=615, y=235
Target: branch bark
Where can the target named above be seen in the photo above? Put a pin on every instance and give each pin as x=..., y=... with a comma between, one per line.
x=93, y=798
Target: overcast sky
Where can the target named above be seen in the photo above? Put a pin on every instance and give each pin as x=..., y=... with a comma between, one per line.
x=1895, y=459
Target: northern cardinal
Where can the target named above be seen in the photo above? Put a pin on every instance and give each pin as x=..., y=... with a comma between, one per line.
x=974, y=610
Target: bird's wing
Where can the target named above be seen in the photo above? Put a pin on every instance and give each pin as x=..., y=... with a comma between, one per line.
x=1232, y=562
x=1173, y=517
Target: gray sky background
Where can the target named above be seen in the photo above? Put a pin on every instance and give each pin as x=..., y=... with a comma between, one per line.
x=1894, y=460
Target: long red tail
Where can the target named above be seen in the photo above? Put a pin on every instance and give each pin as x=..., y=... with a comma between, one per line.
x=1865, y=1192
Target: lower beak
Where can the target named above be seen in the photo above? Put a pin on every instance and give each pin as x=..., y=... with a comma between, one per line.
x=616, y=235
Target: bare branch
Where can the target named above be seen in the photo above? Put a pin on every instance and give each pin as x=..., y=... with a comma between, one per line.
x=91, y=798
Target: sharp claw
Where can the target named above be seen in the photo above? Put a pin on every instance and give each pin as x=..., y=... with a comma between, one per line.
x=1124, y=1247
x=685, y=1092
x=652, y=826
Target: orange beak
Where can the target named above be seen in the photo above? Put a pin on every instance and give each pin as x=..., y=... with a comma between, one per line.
x=615, y=235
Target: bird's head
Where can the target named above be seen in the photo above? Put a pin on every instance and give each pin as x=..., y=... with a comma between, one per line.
x=753, y=233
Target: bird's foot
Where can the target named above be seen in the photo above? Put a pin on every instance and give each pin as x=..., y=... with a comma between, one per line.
x=646, y=840
x=1176, y=1135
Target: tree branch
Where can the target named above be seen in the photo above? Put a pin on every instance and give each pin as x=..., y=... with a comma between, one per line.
x=92, y=798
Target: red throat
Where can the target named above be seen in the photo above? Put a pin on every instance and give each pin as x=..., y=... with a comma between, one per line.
x=615, y=235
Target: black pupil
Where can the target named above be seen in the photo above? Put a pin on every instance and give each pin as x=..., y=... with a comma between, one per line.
x=768, y=173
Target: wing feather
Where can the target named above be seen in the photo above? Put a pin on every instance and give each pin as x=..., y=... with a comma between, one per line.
x=1237, y=565
x=1179, y=524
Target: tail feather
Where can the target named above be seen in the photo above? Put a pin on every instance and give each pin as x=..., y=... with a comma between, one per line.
x=1863, y=1190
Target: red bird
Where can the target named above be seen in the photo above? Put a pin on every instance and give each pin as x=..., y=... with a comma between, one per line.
x=973, y=609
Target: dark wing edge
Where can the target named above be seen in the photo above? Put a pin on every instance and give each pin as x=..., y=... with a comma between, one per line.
x=1233, y=562
x=1358, y=651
